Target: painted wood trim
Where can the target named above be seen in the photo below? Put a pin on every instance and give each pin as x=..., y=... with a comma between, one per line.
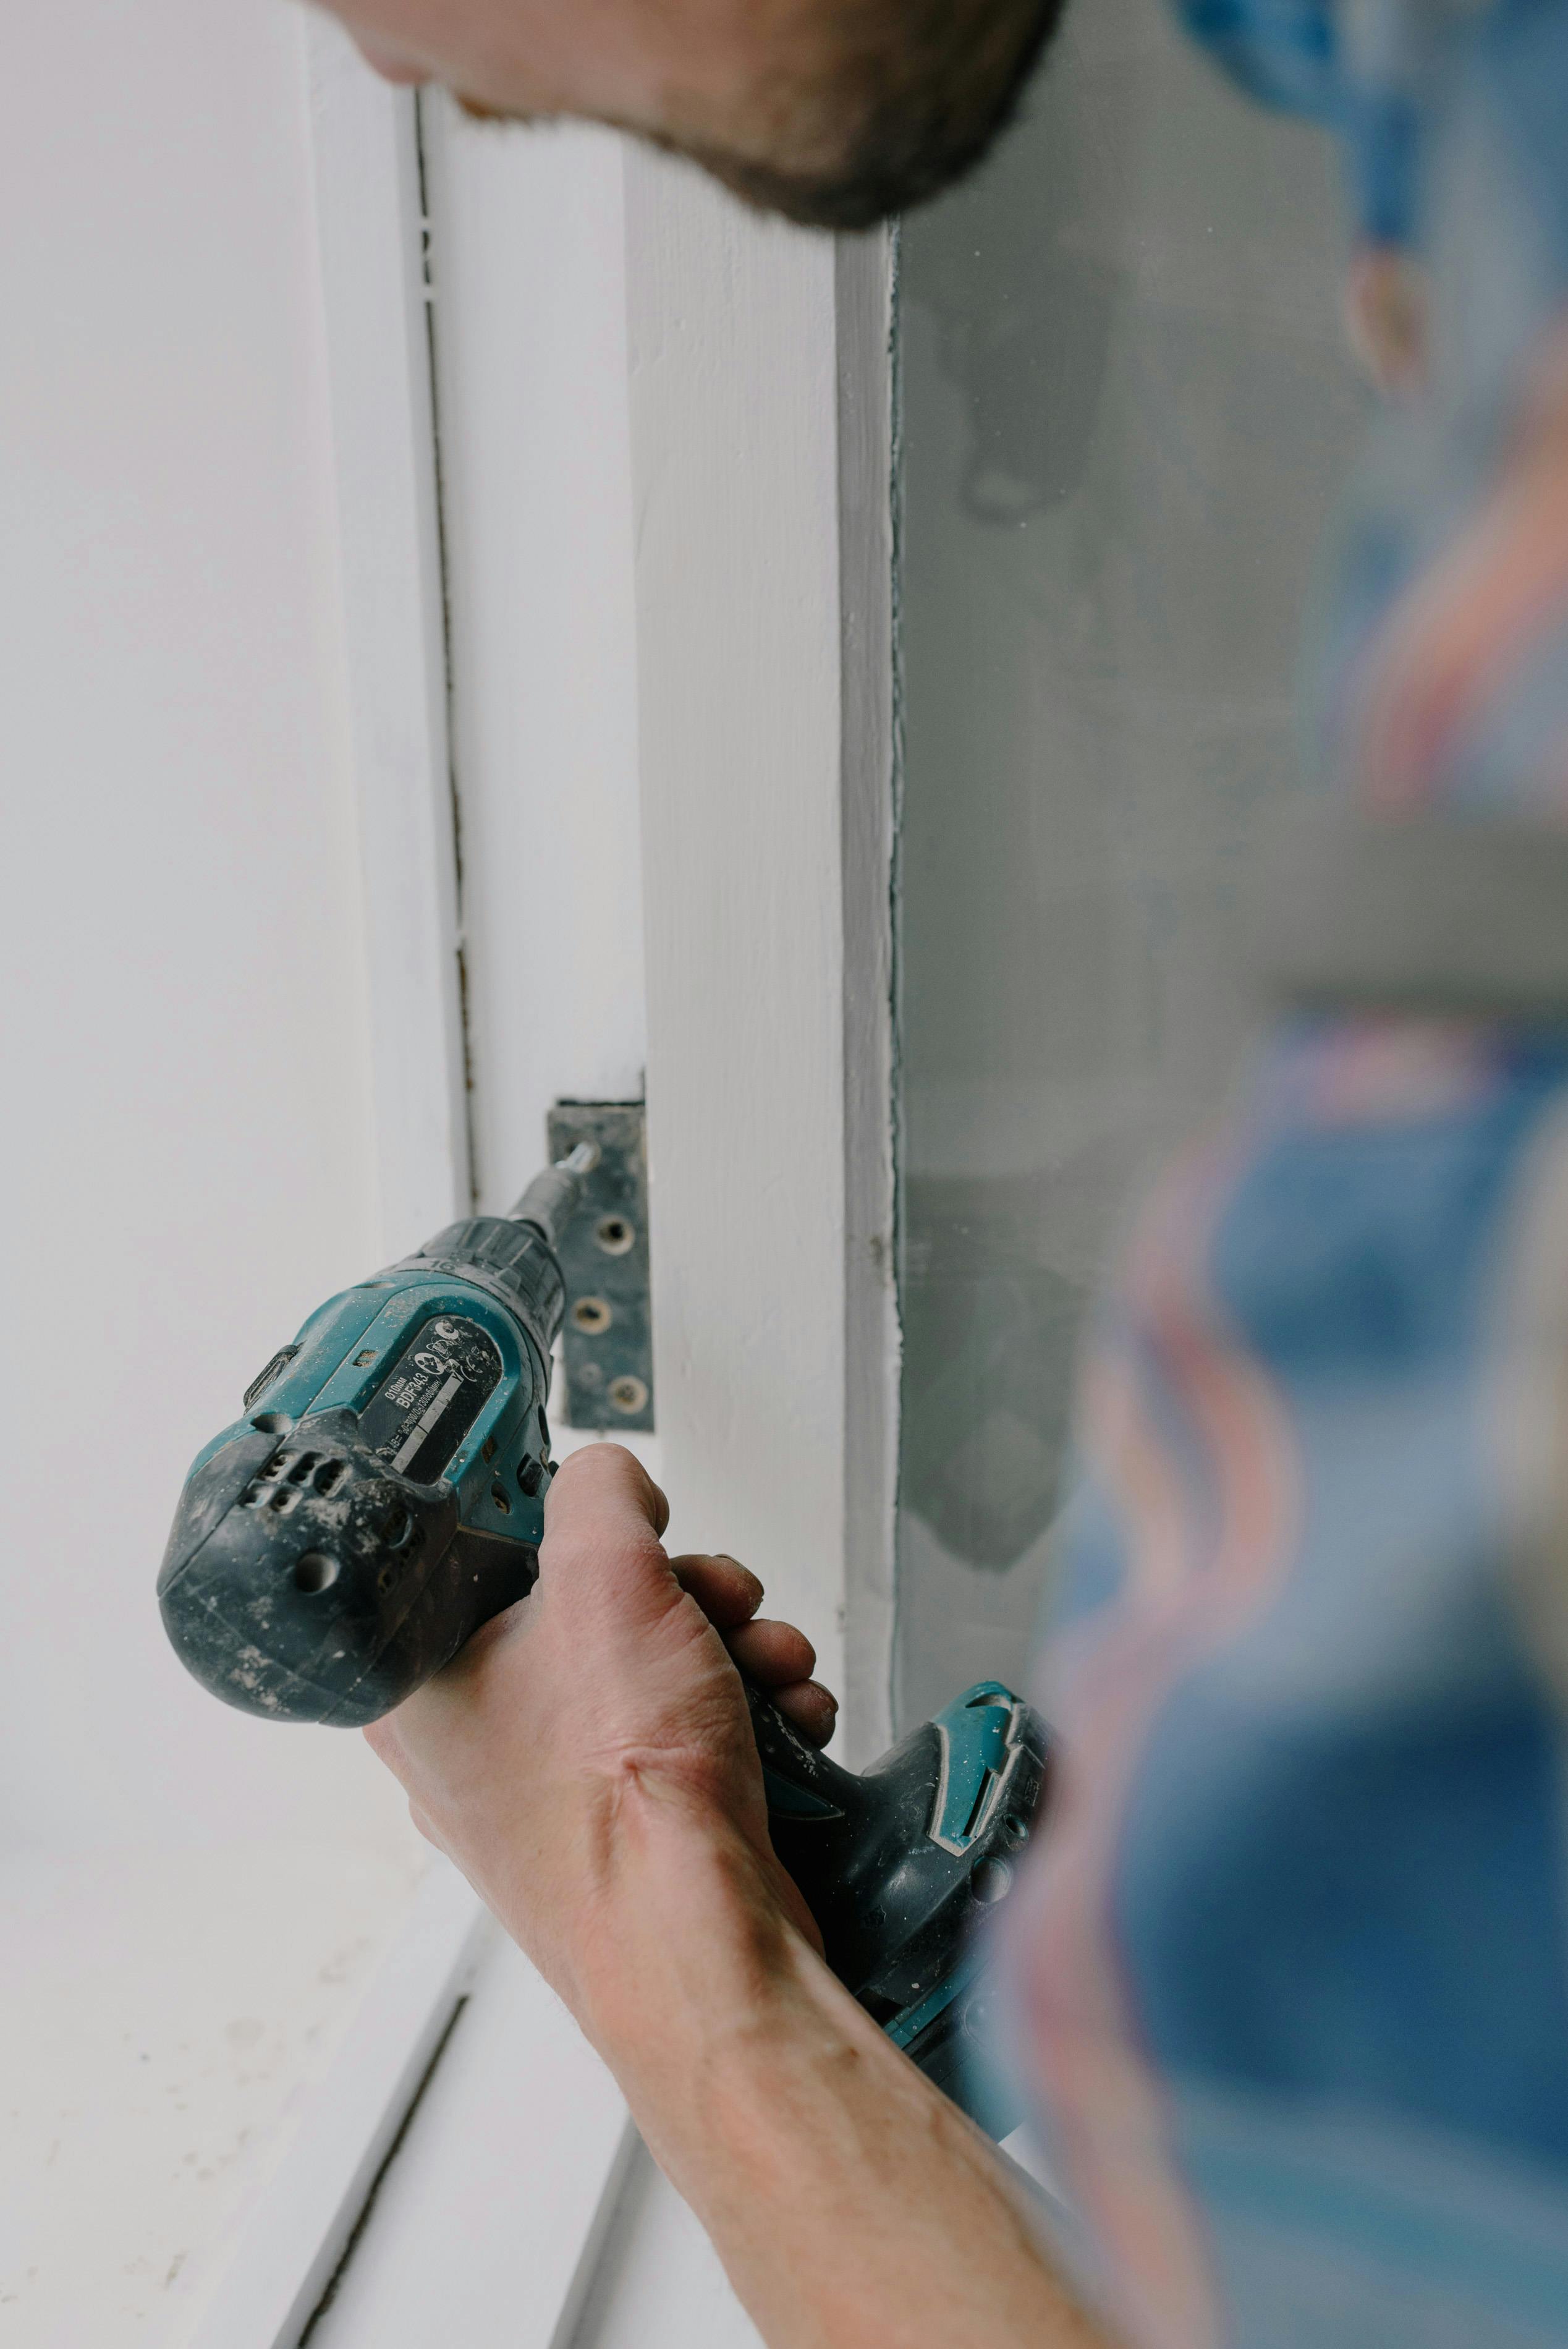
x=599, y=2238
x=865, y=324
x=760, y=397
x=658, y=2283
x=528, y=251
x=488, y=2225
x=734, y=454
x=259, y=2290
x=370, y=240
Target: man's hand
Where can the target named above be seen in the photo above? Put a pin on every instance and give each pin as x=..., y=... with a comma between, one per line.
x=603, y=1710
x=588, y=1762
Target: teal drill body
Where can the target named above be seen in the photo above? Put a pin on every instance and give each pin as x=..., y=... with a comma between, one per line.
x=358, y=1345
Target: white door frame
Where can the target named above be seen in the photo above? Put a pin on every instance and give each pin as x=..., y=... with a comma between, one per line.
x=759, y=412
x=369, y=214
x=762, y=466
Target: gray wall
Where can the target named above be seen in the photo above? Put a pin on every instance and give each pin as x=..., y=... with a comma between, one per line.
x=1127, y=416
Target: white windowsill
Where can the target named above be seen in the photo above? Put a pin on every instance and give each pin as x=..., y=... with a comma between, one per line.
x=167, y=2010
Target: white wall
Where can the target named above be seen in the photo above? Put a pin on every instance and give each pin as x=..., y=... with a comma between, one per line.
x=188, y=1160
x=188, y=1168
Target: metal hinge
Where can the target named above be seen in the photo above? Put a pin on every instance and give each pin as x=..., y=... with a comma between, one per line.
x=607, y=1339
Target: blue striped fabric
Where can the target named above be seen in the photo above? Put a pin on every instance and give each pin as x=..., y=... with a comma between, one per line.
x=1290, y=1968
x=1291, y=1973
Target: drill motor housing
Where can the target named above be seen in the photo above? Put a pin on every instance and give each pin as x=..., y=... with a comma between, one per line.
x=384, y=1494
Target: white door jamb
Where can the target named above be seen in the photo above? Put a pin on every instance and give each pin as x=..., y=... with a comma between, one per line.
x=371, y=244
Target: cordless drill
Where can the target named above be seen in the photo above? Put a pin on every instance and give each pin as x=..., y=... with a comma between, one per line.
x=382, y=1496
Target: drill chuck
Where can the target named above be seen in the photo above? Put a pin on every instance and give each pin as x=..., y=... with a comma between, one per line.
x=554, y=1195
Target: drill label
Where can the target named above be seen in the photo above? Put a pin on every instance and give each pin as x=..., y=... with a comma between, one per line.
x=431, y=1396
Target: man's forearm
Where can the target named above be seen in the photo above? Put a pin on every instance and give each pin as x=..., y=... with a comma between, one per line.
x=852, y=2203
x=588, y=1761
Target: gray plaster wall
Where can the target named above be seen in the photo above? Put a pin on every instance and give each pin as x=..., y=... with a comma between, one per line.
x=1127, y=417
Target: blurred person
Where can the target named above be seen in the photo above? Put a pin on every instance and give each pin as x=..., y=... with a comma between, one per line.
x=1288, y=1978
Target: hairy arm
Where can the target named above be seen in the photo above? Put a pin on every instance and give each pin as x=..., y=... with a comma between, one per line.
x=589, y=1764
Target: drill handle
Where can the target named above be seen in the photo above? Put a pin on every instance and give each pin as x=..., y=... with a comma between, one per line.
x=799, y=1781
